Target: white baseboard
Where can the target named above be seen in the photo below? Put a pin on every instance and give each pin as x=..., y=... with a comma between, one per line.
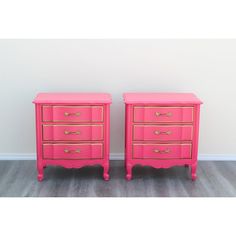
x=118, y=156
x=17, y=156
x=217, y=157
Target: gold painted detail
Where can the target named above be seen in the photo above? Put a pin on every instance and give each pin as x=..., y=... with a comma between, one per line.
x=71, y=132
x=157, y=132
x=72, y=114
x=72, y=151
x=161, y=151
x=168, y=114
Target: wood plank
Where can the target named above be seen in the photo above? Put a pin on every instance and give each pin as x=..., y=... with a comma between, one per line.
x=215, y=179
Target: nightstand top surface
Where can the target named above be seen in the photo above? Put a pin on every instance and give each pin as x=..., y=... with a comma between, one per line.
x=73, y=98
x=161, y=98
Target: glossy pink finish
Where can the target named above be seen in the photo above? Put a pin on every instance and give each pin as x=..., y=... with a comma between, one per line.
x=162, y=151
x=74, y=114
x=161, y=98
x=73, y=98
x=73, y=151
x=161, y=130
x=73, y=130
x=163, y=114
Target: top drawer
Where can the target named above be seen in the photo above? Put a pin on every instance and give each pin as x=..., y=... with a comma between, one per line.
x=163, y=114
x=73, y=113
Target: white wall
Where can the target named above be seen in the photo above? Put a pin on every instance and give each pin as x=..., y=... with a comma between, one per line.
x=205, y=67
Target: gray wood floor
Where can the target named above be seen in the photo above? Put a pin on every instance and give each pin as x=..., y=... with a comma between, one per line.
x=215, y=179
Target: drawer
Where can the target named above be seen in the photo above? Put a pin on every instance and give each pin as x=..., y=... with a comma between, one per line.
x=162, y=151
x=162, y=132
x=163, y=114
x=73, y=151
x=73, y=113
x=72, y=132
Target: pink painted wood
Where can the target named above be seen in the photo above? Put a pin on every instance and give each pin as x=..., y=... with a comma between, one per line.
x=161, y=151
x=83, y=114
x=73, y=98
x=72, y=130
x=73, y=151
x=163, y=114
x=161, y=130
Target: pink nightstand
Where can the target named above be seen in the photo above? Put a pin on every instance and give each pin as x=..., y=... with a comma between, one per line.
x=73, y=130
x=161, y=130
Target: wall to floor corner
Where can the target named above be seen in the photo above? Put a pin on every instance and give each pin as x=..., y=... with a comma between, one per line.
x=113, y=157
x=202, y=66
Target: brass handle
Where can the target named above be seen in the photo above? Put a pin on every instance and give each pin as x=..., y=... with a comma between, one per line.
x=162, y=151
x=71, y=132
x=72, y=151
x=168, y=114
x=72, y=114
x=157, y=132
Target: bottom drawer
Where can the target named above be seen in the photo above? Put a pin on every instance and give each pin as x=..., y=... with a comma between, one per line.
x=162, y=151
x=73, y=151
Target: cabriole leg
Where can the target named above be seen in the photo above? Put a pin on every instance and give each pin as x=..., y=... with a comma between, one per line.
x=106, y=176
x=40, y=172
x=128, y=171
x=194, y=171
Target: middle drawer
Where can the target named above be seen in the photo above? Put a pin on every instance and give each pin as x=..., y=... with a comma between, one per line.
x=72, y=132
x=162, y=132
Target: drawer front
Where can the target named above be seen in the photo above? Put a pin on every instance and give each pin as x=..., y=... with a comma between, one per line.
x=73, y=151
x=73, y=113
x=163, y=114
x=72, y=132
x=162, y=151
x=162, y=133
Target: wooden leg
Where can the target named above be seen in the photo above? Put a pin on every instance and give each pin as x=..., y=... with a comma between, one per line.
x=106, y=176
x=40, y=174
x=194, y=171
x=128, y=171
x=40, y=171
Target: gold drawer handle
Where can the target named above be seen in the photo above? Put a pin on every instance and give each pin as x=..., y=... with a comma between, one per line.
x=72, y=151
x=157, y=132
x=71, y=132
x=168, y=114
x=72, y=114
x=161, y=151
